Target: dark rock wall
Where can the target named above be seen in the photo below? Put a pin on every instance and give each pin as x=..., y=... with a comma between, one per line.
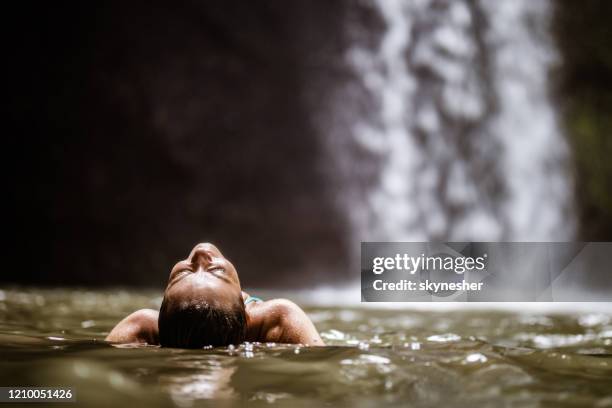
x=584, y=91
x=142, y=128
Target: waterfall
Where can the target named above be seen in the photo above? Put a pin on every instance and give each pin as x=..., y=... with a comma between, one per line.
x=449, y=130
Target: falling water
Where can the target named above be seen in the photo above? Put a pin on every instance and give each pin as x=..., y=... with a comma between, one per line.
x=457, y=138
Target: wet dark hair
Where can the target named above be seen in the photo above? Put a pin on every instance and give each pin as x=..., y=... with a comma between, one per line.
x=197, y=324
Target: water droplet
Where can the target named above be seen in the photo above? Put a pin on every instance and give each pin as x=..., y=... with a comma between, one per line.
x=87, y=324
x=476, y=358
x=593, y=319
x=333, y=335
x=444, y=338
x=605, y=333
x=366, y=359
x=56, y=338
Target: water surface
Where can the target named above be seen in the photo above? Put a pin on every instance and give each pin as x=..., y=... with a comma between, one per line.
x=374, y=358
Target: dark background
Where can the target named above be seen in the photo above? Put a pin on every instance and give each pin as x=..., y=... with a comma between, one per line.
x=142, y=128
x=137, y=129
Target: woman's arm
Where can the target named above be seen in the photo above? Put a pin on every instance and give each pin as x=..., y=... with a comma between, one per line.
x=138, y=327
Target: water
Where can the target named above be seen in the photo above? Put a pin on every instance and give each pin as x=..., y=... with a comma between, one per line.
x=450, y=132
x=375, y=356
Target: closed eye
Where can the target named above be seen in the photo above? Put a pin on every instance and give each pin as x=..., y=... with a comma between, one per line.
x=217, y=271
x=179, y=273
x=220, y=273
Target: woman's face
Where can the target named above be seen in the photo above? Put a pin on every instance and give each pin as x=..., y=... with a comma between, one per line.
x=205, y=275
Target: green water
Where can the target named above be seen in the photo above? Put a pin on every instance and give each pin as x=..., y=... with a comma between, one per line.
x=375, y=358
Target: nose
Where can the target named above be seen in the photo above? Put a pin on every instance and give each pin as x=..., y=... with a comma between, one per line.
x=202, y=254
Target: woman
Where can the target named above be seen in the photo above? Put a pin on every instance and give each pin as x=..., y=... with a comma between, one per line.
x=204, y=305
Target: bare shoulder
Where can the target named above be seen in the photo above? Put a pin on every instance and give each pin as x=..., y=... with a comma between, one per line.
x=280, y=308
x=277, y=312
x=144, y=314
x=138, y=327
x=282, y=321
